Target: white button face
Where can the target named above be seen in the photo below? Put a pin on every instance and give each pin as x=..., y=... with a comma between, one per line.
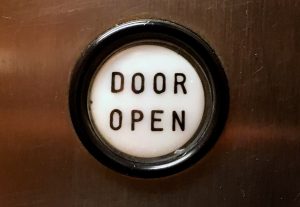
x=146, y=101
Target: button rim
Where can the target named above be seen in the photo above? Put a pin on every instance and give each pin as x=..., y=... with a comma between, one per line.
x=140, y=30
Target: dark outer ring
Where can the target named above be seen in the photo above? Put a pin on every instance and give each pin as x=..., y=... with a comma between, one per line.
x=98, y=51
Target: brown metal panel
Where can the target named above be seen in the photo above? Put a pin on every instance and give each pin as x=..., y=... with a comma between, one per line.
x=255, y=162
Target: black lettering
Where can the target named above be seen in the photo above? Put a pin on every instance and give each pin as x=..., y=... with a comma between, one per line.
x=181, y=122
x=153, y=119
x=181, y=83
x=112, y=119
x=142, y=83
x=163, y=87
x=134, y=119
x=113, y=82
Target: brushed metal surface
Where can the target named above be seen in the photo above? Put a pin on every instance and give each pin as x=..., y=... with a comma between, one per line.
x=255, y=162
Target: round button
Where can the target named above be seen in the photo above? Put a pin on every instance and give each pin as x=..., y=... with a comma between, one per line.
x=146, y=101
x=148, y=98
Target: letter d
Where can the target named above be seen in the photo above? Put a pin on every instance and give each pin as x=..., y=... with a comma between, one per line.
x=114, y=89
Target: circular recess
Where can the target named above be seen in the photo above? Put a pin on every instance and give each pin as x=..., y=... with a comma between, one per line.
x=148, y=98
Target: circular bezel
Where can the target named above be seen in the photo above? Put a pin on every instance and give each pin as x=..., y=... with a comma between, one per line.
x=172, y=36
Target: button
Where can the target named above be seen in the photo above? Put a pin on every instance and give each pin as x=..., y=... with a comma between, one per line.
x=146, y=101
x=148, y=98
